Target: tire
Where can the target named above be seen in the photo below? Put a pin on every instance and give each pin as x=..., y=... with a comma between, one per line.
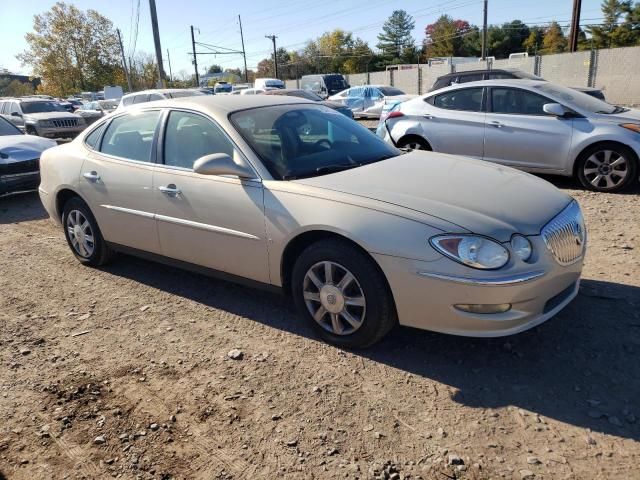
x=79, y=224
x=414, y=143
x=371, y=305
x=595, y=162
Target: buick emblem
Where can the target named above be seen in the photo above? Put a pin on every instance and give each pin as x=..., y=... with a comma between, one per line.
x=331, y=299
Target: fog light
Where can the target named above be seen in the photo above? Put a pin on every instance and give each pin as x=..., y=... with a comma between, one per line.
x=481, y=308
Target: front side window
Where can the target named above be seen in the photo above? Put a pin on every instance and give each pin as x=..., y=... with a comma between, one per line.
x=500, y=76
x=473, y=77
x=141, y=98
x=189, y=136
x=296, y=141
x=155, y=96
x=131, y=136
x=517, y=102
x=467, y=99
x=126, y=101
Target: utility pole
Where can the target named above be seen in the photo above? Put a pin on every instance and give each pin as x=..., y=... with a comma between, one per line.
x=484, y=32
x=169, y=60
x=195, y=59
x=156, y=41
x=124, y=61
x=275, y=56
x=244, y=54
x=575, y=25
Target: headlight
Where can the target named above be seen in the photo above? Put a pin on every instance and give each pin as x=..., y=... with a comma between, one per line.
x=521, y=246
x=472, y=250
x=45, y=123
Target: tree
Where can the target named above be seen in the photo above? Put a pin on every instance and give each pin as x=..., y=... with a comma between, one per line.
x=72, y=50
x=611, y=33
x=446, y=38
x=554, y=40
x=215, y=69
x=15, y=88
x=508, y=39
x=396, y=42
x=533, y=43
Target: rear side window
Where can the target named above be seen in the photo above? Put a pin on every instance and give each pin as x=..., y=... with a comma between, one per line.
x=131, y=136
x=472, y=77
x=500, y=76
x=443, y=82
x=141, y=98
x=467, y=99
x=127, y=100
x=155, y=96
x=92, y=139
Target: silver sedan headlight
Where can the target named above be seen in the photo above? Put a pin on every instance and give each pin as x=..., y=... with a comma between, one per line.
x=472, y=250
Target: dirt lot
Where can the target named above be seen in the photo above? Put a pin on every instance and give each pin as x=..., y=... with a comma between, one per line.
x=124, y=372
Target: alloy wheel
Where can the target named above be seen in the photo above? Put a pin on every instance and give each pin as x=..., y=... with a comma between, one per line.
x=334, y=298
x=606, y=169
x=80, y=233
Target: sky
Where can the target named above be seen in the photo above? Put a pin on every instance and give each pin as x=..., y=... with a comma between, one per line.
x=293, y=21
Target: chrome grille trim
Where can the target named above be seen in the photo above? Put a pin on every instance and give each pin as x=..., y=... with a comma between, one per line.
x=565, y=235
x=71, y=122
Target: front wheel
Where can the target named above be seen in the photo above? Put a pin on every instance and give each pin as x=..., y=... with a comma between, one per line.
x=83, y=234
x=344, y=296
x=607, y=167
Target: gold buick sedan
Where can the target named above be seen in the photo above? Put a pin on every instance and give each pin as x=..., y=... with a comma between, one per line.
x=288, y=194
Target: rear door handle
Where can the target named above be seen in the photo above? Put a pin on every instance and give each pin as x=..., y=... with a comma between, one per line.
x=91, y=176
x=497, y=124
x=170, y=190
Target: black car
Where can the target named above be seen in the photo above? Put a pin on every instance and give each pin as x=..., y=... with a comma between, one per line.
x=500, y=74
x=20, y=158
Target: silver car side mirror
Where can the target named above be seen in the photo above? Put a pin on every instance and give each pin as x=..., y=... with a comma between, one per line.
x=554, y=109
x=221, y=164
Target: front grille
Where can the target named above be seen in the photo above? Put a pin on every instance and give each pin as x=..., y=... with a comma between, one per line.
x=67, y=122
x=565, y=235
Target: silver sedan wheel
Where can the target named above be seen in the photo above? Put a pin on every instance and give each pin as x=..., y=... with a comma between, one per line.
x=415, y=146
x=334, y=298
x=606, y=169
x=80, y=233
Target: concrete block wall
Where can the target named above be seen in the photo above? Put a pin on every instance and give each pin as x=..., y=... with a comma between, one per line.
x=617, y=73
x=356, y=79
x=406, y=80
x=380, y=78
x=430, y=75
x=524, y=64
x=291, y=84
x=568, y=69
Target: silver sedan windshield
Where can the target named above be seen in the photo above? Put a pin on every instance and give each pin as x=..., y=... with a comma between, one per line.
x=577, y=99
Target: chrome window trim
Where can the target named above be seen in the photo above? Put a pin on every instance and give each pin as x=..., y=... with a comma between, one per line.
x=503, y=281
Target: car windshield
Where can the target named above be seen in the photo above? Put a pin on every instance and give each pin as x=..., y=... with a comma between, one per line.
x=335, y=82
x=8, y=128
x=296, y=141
x=390, y=91
x=576, y=99
x=40, y=107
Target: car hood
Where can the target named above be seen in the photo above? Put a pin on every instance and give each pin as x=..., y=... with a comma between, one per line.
x=24, y=147
x=632, y=116
x=479, y=197
x=50, y=115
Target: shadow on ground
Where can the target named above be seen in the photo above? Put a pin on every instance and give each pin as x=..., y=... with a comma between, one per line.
x=21, y=207
x=580, y=367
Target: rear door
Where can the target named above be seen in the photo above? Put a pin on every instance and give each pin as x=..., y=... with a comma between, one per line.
x=519, y=133
x=453, y=121
x=116, y=180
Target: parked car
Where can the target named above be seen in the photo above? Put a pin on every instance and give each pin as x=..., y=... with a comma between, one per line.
x=75, y=102
x=288, y=194
x=45, y=118
x=309, y=95
x=222, y=88
x=264, y=83
x=93, y=111
x=367, y=101
x=19, y=158
x=532, y=125
x=500, y=74
x=240, y=86
x=252, y=91
x=66, y=105
x=324, y=85
x=158, y=94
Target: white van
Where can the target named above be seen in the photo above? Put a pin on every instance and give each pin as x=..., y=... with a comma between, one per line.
x=264, y=83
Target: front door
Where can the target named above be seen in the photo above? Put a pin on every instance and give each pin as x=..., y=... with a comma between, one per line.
x=520, y=134
x=213, y=221
x=116, y=181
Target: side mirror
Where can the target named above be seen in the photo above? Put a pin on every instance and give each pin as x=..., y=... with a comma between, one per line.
x=554, y=109
x=221, y=164
x=16, y=114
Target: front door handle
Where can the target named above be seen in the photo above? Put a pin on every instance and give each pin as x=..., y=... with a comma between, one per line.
x=170, y=190
x=428, y=116
x=497, y=124
x=91, y=176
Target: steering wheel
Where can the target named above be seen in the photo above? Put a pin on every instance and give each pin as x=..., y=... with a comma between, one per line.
x=324, y=141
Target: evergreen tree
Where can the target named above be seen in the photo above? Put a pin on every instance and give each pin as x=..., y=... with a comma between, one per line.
x=554, y=40
x=396, y=40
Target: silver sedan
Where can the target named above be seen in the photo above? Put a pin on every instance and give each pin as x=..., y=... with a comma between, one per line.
x=531, y=125
x=291, y=195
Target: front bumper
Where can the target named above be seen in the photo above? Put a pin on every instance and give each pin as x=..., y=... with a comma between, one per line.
x=59, y=132
x=425, y=294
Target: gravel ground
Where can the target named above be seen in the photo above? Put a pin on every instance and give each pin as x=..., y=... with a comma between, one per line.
x=142, y=371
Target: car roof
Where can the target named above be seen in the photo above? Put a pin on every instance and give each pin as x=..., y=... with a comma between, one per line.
x=159, y=90
x=225, y=103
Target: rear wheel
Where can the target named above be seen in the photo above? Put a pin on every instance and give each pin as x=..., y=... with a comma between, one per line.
x=414, y=143
x=344, y=296
x=607, y=167
x=83, y=234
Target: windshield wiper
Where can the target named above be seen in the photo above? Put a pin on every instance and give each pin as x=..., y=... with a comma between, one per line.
x=336, y=168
